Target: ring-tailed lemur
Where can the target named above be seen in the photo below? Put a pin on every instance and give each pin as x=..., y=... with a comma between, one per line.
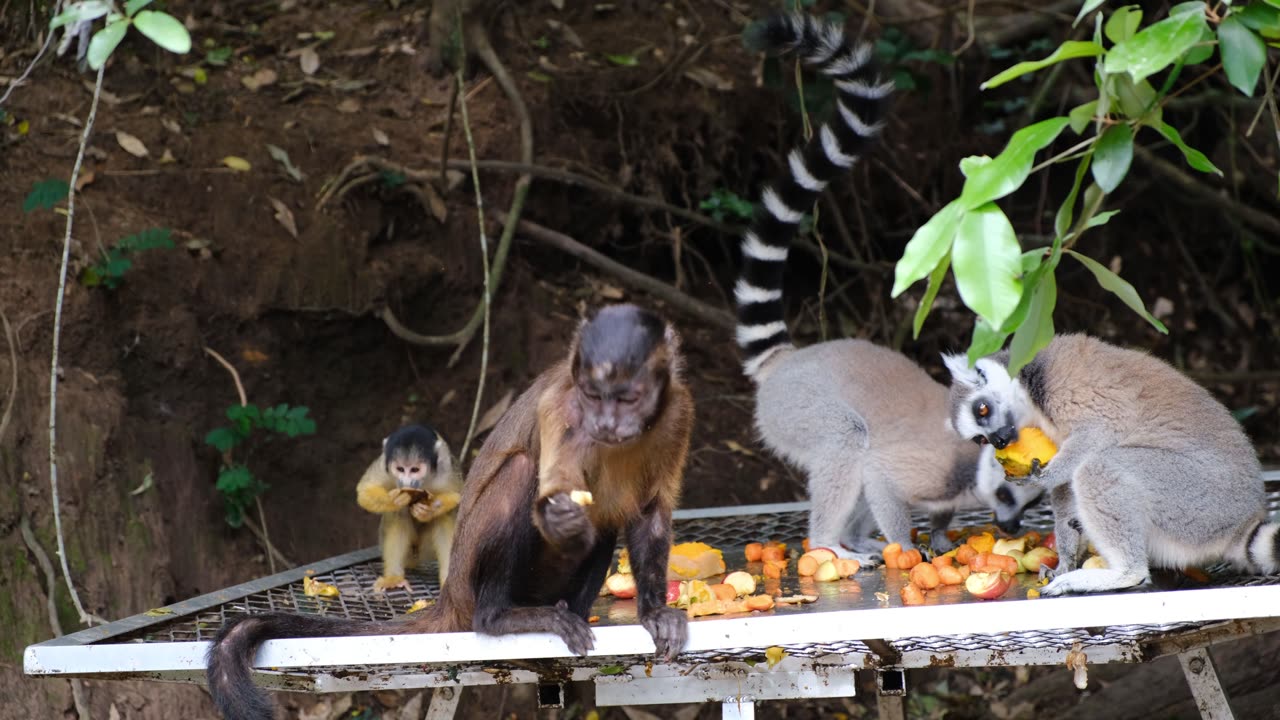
x=866, y=424
x=1150, y=467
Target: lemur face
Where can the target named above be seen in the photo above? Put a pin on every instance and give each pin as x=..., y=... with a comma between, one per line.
x=987, y=405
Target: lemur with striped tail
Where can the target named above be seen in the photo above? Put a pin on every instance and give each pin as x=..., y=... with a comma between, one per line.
x=868, y=426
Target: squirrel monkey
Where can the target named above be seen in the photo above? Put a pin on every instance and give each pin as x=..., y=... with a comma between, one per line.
x=414, y=488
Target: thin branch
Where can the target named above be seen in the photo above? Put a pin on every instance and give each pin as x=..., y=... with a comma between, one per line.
x=1252, y=216
x=484, y=258
x=51, y=587
x=271, y=549
x=484, y=50
x=13, y=84
x=235, y=376
x=57, y=336
x=657, y=288
x=12, y=340
x=262, y=535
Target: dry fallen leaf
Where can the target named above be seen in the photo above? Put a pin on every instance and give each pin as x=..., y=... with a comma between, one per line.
x=131, y=144
x=236, y=163
x=349, y=106
x=260, y=79
x=708, y=79
x=494, y=413
x=171, y=125
x=381, y=137
x=167, y=158
x=85, y=178
x=309, y=60
x=284, y=216
x=254, y=356
x=735, y=447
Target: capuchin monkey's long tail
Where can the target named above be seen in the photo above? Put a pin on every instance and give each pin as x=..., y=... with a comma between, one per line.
x=230, y=658
x=861, y=102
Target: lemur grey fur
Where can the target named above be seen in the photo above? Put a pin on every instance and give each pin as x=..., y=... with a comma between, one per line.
x=1150, y=467
x=867, y=425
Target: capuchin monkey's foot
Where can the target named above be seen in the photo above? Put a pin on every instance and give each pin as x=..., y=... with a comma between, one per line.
x=669, y=629
x=572, y=629
x=565, y=523
x=390, y=582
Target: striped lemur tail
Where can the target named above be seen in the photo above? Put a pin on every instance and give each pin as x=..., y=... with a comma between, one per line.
x=861, y=102
x=1262, y=548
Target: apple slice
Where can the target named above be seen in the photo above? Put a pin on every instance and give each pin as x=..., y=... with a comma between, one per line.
x=827, y=572
x=987, y=585
x=621, y=586
x=822, y=554
x=1004, y=547
x=1038, y=556
x=742, y=582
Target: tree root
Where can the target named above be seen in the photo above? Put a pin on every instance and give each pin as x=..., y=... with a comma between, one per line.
x=707, y=313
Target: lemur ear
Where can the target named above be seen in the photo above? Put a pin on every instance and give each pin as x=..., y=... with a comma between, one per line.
x=958, y=366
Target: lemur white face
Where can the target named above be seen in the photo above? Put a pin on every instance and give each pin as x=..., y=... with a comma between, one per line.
x=1007, y=500
x=987, y=405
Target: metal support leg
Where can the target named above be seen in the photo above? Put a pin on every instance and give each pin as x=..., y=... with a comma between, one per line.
x=1197, y=666
x=444, y=703
x=891, y=689
x=738, y=708
x=891, y=707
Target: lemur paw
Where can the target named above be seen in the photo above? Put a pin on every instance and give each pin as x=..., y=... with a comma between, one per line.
x=390, y=582
x=565, y=523
x=669, y=629
x=940, y=545
x=865, y=559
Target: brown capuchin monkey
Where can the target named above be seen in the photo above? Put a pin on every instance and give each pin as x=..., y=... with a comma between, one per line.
x=413, y=487
x=612, y=419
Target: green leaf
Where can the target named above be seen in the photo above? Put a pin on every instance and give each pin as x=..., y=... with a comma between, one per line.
x=1135, y=99
x=1008, y=170
x=935, y=281
x=986, y=340
x=164, y=30
x=1120, y=287
x=927, y=247
x=1088, y=7
x=1066, y=51
x=973, y=163
x=988, y=263
x=623, y=60
x=45, y=194
x=81, y=12
x=1202, y=50
x=1082, y=115
x=1256, y=16
x=104, y=43
x=1243, y=54
x=222, y=438
x=1123, y=23
x=1100, y=219
x=1066, y=213
x=1194, y=158
x=1034, y=334
x=1112, y=155
x=1157, y=46
x=132, y=7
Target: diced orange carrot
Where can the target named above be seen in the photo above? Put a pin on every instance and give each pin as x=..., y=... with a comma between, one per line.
x=891, y=553
x=912, y=595
x=759, y=602
x=806, y=566
x=926, y=576
x=772, y=552
x=754, y=552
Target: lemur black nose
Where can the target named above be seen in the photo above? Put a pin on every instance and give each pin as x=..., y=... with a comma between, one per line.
x=1003, y=436
x=1010, y=526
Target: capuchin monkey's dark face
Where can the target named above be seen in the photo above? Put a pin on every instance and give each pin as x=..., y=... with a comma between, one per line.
x=618, y=407
x=620, y=372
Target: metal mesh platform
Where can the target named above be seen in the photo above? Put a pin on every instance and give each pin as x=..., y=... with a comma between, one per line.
x=856, y=623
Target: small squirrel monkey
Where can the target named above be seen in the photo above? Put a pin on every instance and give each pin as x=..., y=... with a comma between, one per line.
x=414, y=487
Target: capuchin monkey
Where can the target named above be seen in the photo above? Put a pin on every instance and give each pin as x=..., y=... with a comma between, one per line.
x=414, y=488
x=866, y=423
x=527, y=557
x=1150, y=468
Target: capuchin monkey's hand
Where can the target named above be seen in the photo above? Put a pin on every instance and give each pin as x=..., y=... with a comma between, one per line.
x=565, y=524
x=669, y=628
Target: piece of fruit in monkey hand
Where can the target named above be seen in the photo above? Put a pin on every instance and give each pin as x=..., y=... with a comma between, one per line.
x=1031, y=444
x=694, y=561
x=582, y=497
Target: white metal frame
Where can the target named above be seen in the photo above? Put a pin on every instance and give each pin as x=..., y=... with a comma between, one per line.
x=303, y=664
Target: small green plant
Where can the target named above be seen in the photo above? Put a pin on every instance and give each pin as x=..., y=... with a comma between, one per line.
x=45, y=195
x=727, y=205
x=109, y=271
x=161, y=28
x=236, y=483
x=1013, y=292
